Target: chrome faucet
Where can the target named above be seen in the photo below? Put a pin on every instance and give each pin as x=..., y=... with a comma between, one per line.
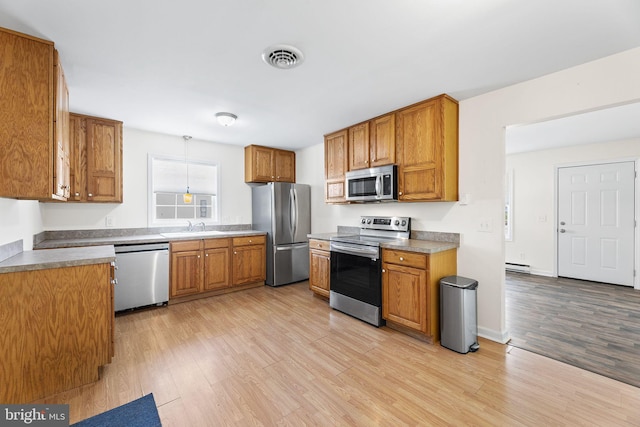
x=204, y=227
x=190, y=226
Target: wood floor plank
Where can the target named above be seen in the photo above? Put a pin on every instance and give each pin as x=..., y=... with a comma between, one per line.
x=591, y=325
x=279, y=356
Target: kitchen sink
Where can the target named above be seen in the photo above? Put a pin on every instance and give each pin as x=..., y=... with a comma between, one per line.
x=194, y=234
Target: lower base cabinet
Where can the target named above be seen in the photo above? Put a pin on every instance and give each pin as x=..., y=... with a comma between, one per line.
x=56, y=330
x=319, y=267
x=207, y=266
x=410, y=290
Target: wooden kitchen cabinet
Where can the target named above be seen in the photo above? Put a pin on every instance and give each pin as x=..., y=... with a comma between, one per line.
x=427, y=150
x=216, y=264
x=249, y=264
x=34, y=112
x=372, y=144
x=56, y=330
x=319, y=267
x=96, y=159
x=206, y=267
x=410, y=290
x=198, y=266
x=265, y=164
x=335, y=166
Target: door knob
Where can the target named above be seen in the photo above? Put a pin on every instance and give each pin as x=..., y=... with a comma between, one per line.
x=562, y=230
x=562, y=223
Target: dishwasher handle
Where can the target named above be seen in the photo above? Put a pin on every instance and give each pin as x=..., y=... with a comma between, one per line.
x=146, y=247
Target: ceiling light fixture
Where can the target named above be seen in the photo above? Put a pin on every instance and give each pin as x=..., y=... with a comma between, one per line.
x=186, y=197
x=226, y=119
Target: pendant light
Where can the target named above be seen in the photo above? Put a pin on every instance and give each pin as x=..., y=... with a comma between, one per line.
x=186, y=197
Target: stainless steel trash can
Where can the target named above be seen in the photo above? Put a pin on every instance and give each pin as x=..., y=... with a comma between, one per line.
x=458, y=314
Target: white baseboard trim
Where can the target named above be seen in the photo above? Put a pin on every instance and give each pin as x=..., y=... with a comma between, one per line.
x=493, y=335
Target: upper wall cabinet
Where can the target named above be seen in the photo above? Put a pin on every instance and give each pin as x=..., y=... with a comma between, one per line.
x=96, y=159
x=372, y=143
x=335, y=166
x=34, y=147
x=265, y=164
x=427, y=150
x=421, y=139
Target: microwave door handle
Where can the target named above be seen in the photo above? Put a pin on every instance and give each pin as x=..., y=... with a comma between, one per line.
x=379, y=186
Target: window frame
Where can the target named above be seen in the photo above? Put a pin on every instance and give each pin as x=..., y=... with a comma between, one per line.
x=151, y=207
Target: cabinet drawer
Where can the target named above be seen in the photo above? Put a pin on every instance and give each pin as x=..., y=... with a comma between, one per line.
x=216, y=243
x=187, y=245
x=410, y=259
x=319, y=244
x=249, y=240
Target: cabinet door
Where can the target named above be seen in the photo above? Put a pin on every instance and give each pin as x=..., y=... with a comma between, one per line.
x=419, y=152
x=382, y=140
x=359, y=146
x=27, y=114
x=185, y=273
x=62, y=166
x=78, y=157
x=404, y=296
x=285, y=165
x=335, y=166
x=216, y=268
x=262, y=164
x=248, y=264
x=319, y=272
x=104, y=160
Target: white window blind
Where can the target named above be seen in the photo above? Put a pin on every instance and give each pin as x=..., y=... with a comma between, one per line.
x=170, y=176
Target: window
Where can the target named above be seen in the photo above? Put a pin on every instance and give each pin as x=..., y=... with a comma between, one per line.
x=168, y=179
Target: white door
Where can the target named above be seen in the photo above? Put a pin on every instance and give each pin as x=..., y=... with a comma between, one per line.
x=596, y=220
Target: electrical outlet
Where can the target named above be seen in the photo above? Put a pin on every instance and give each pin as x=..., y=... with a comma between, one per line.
x=108, y=221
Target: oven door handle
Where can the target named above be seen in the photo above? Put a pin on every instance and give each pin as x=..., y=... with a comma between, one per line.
x=351, y=250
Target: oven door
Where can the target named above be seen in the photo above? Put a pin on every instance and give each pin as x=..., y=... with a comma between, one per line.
x=356, y=273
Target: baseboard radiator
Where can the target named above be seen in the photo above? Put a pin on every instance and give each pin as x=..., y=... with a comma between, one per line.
x=517, y=268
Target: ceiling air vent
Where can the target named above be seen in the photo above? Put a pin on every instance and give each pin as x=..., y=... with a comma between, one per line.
x=282, y=56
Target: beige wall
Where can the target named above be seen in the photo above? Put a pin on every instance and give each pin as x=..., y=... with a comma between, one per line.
x=235, y=195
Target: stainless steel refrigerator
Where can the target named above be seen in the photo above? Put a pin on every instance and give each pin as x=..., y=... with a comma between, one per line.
x=283, y=210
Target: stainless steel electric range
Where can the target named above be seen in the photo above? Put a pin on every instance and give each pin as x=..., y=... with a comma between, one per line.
x=356, y=266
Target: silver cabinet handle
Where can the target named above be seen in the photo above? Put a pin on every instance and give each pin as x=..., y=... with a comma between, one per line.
x=114, y=282
x=90, y=194
x=401, y=259
x=77, y=194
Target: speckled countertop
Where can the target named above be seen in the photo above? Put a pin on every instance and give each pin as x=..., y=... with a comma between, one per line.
x=410, y=245
x=137, y=239
x=57, y=258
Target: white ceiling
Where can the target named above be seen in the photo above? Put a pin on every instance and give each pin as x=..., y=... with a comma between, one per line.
x=169, y=66
x=610, y=124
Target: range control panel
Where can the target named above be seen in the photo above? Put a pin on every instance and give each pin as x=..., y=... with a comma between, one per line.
x=389, y=223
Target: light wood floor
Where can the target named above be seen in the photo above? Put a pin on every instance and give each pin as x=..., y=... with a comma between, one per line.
x=279, y=356
x=595, y=326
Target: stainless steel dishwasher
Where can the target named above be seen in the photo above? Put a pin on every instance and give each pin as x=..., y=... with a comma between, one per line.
x=142, y=274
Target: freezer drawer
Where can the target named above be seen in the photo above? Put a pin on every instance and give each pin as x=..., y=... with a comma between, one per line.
x=290, y=264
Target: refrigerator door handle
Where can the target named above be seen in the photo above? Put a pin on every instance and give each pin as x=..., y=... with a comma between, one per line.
x=294, y=211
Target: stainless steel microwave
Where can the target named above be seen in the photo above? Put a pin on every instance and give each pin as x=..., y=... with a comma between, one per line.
x=373, y=184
